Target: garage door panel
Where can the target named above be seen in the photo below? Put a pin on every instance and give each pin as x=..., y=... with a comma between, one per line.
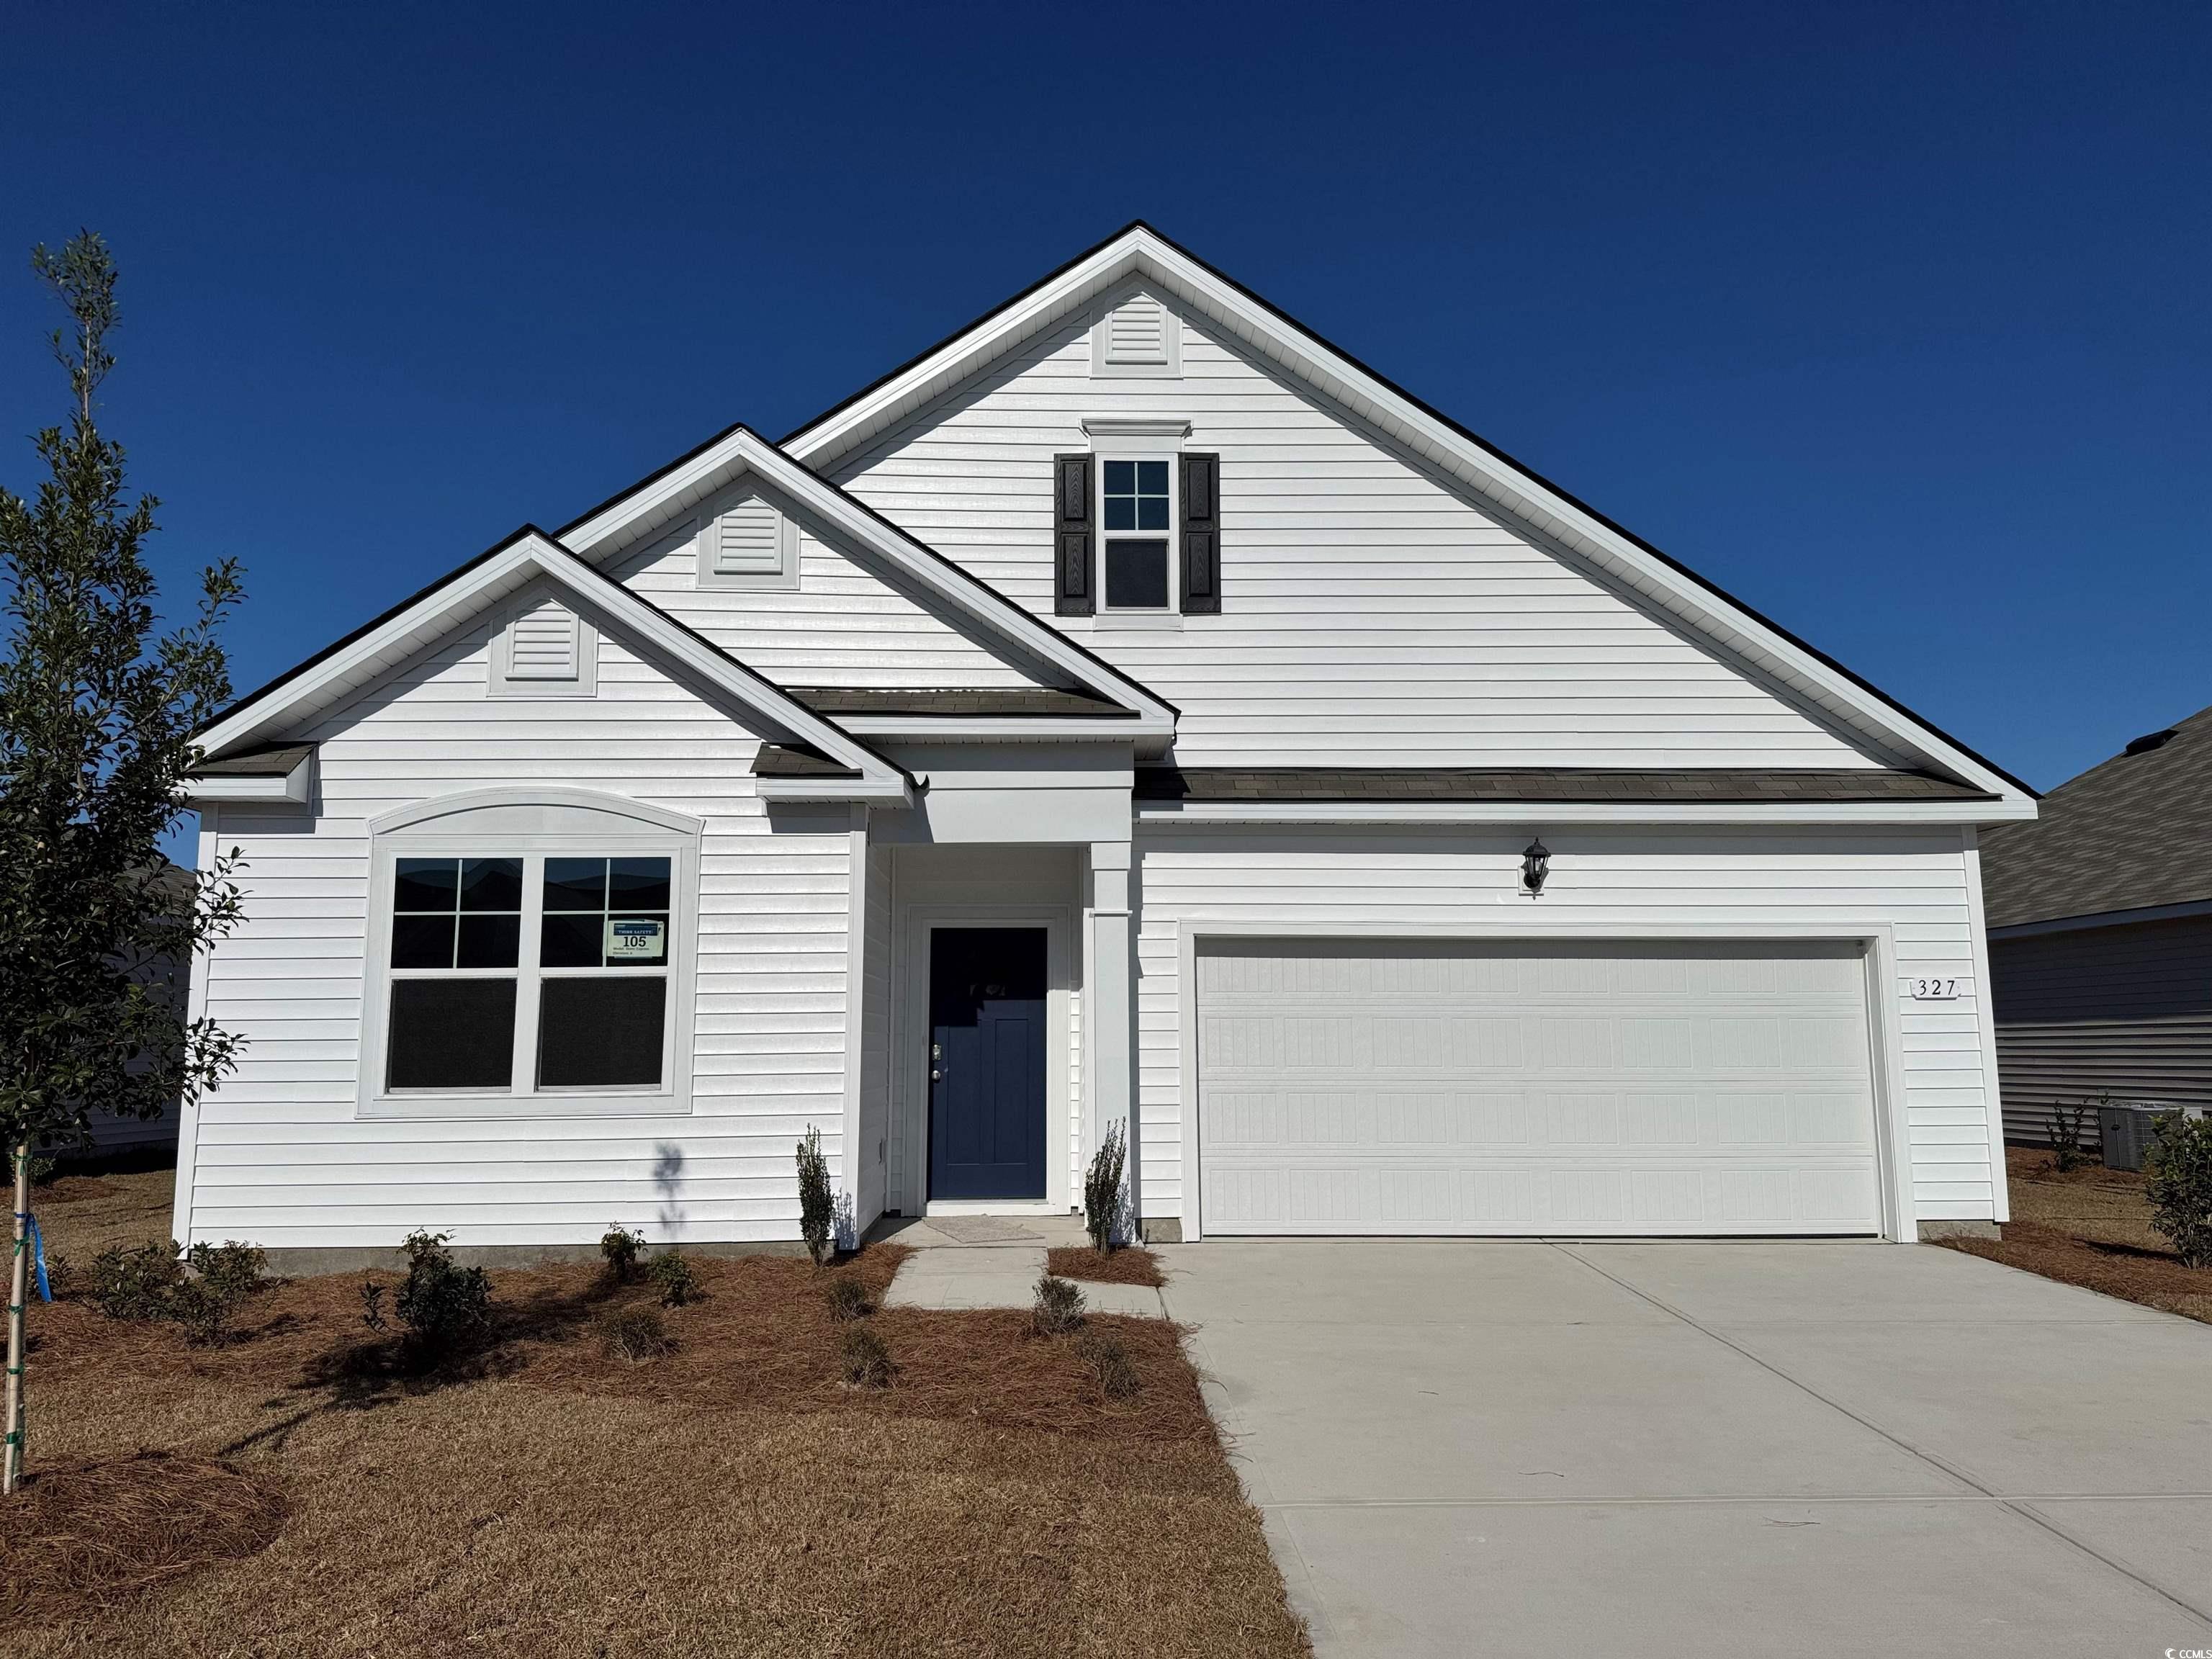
x=1398, y=1087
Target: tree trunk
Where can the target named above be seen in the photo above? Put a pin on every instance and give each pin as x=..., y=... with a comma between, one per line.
x=18, y=1293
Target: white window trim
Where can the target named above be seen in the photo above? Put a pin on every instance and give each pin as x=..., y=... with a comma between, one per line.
x=502, y=685
x=1171, y=338
x=784, y=578
x=1130, y=439
x=442, y=829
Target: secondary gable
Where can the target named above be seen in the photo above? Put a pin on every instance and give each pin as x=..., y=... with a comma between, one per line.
x=778, y=589
x=1371, y=615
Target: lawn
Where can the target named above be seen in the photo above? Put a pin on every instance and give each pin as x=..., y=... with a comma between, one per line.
x=2091, y=1227
x=543, y=1497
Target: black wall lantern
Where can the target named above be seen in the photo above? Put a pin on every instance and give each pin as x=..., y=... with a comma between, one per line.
x=1535, y=865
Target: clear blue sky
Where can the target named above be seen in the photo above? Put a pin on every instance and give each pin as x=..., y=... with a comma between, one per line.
x=1891, y=319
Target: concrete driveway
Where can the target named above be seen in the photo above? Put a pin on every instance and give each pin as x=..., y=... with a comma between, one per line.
x=1705, y=1449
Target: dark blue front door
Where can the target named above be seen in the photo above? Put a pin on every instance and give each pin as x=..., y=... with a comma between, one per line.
x=986, y=1062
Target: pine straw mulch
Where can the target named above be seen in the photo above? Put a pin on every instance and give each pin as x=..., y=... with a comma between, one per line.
x=91, y=1534
x=2090, y=1227
x=1130, y=1265
x=537, y=1495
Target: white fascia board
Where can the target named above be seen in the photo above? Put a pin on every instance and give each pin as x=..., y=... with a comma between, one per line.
x=1850, y=813
x=530, y=556
x=295, y=788
x=1011, y=728
x=868, y=791
x=720, y=465
x=1142, y=251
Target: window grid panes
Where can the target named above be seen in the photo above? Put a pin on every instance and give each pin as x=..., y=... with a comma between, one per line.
x=1134, y=497
x=594, y=1013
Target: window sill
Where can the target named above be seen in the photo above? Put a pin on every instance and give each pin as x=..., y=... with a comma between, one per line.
x=1154, y=621
x=461, y=1107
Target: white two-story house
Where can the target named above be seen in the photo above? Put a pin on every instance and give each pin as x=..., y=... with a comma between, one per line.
x=1131, y=710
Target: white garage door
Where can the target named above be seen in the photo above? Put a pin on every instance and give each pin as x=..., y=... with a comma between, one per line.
x=1349, y=1086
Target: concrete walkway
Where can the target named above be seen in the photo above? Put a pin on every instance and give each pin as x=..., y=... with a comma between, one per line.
x=1709, y=1449
x=993, y=1262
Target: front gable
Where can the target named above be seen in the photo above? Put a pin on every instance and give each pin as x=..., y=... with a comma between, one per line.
x=1472, y=610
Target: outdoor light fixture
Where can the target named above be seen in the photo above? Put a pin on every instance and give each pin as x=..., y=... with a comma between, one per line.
x=1535, y=865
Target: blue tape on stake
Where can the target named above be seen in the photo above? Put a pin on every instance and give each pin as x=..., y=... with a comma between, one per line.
x=38, y=1256
x=37, y=1253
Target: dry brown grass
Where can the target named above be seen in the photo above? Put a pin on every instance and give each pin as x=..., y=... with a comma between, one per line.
x=2091, y=1227
x=1132, y=1264
x=733, y=1498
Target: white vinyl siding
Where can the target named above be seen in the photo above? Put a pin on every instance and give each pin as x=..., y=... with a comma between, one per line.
x=283, y=1156
x=1370, y=616
x=840, y=625
x=1362, y=883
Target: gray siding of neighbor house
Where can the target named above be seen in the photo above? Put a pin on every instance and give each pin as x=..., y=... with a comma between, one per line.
x=2126, y=1008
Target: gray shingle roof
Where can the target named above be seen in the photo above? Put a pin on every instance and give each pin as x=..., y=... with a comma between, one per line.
x=268, y=760
x=2130, y=833
x=990, y=700
x=1540, y=784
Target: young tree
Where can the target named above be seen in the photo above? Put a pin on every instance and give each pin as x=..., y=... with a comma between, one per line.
x=97, y=716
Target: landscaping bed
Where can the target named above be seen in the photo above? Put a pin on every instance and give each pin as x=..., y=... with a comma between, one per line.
x=537, y=1492
x=2091, y=1226
x=1132, y=1264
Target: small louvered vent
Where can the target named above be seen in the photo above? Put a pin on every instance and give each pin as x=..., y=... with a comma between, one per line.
x=543, y=646
x=1137, y=332
x=748, y=540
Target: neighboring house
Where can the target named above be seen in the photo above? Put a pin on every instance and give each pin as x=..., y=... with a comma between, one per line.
x=1132, y=709
x=2100, y=936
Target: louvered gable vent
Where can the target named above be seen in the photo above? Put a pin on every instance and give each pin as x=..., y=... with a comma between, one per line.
x=1137, y=332
x=543, y=646
x=748, y=540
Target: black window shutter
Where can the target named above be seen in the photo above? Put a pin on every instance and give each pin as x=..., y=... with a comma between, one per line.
x=1202, y=535
x=1073, y=557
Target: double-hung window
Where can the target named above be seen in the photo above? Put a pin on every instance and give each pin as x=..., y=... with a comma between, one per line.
x=1135, y=513
x=529, y=974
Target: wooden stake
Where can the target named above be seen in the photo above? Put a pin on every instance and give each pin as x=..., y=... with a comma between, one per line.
x=18, y=1293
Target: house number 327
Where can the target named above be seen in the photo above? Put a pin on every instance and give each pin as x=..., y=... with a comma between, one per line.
x=1934, y=990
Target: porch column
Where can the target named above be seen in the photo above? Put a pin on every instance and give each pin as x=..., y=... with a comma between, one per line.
x=1109, y=1013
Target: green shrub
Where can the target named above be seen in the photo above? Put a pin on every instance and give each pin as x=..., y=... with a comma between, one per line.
x=1059, y=1308
x=2180, y=1185
x=1102, y=1189
x=231, y=1269
x=1110, y=1364
x=40, y=1171
x=672, y=1275
x=148, y=1281
x=847, y=1297
x=866, y=1358
x=634, y=1334
x=2066, y=1118
x=817, y=1208
x=61, y=1275
x=440, y=1302
x=134, y=1281
x=621, y=1249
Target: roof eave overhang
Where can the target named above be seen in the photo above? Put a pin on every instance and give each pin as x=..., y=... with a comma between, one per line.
x=1858, y=813
x=527, y=555
x=293, y=788
x=1545, y=509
